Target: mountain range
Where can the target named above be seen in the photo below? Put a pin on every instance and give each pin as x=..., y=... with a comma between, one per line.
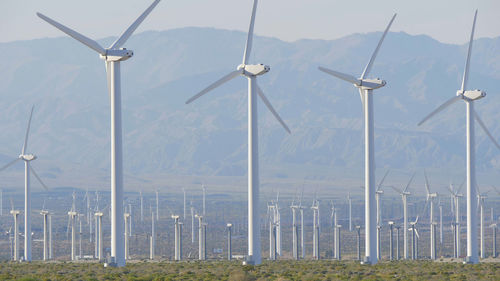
x=163, y=136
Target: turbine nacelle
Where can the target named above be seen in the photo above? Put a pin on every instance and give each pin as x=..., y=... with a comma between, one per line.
x=432, y=195
x=471, y=95
x=253, y=69
x=27, y=157
x=117, y=54
x=379, y=192
x=370, y=84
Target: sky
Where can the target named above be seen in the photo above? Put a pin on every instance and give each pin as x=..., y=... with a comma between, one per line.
x=447, y=21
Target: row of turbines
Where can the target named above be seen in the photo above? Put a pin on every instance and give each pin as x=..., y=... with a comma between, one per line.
x=275, y=227
x=115, y=54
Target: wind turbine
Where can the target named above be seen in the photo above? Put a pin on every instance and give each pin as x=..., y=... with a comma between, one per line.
x=152, y=241
x=126, y=219
x=379, y=193
x=391, y=243
x=456, y=195
x=27, y=158
x=271, y=215
x=202, y=238
x=469, y=96
x=430, y=198
x=112, y=56
x=229, y=241
x=177, y=238
x=295, y=231
x=15, y=214
x=481, y=197
x=45, y=217
x=366, y=87
x=315, y=208
x=250, y=72
x=494, y=248
x=404, y=196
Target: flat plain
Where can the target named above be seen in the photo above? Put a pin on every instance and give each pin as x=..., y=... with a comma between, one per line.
x=233, y=270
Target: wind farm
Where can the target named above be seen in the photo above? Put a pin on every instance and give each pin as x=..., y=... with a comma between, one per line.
x=144, y=171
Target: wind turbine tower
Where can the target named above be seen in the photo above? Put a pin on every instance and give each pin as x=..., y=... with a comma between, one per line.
x=99, y=242
x=45, y=218
x=366, y=87
x=250, y=72
x=15, y=214
x=431, y=196
x=202, y=238
x=178, y=238
x=315, y=208
x=72, y=214
x=112, y=56
x=229, y=241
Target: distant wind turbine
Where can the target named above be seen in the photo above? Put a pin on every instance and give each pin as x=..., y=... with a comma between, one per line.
x=28, y=169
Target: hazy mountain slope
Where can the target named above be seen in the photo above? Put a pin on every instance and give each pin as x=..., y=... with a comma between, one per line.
x=162, y=135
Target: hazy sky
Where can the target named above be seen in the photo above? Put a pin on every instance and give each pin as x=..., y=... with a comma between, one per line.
x=445, y=20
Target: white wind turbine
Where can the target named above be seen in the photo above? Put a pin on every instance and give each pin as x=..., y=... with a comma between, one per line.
x=379, y=193
x=404, y=196
x=250, y=72
x=455, y=208
x=15, y=214
x=112, y=56
x=28, y=169
x=469, y=96
x=431, y=196
x=481, y=197
x=366, y=87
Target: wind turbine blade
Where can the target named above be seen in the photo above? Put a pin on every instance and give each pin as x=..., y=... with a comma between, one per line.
x=27, y=132
x=481, y=123
x=460, y=188
x=124, y=37
x=248, y=47
x=362, y=97
x=10, y=164
x=82, y=38
x=451, y=191
x=397, y=189
x=108, y=76
x=382, y=181
x=416, y=233
x=440, y=108
x=346, y=77
x=374, y=55
x=38, y=178
x=496, y=189
x=409, y=182
x=467, y=62
x=215, y=85
x=271, y=108
x=427, y=187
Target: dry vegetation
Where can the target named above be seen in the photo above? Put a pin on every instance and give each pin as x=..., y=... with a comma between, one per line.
x=283, y=270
